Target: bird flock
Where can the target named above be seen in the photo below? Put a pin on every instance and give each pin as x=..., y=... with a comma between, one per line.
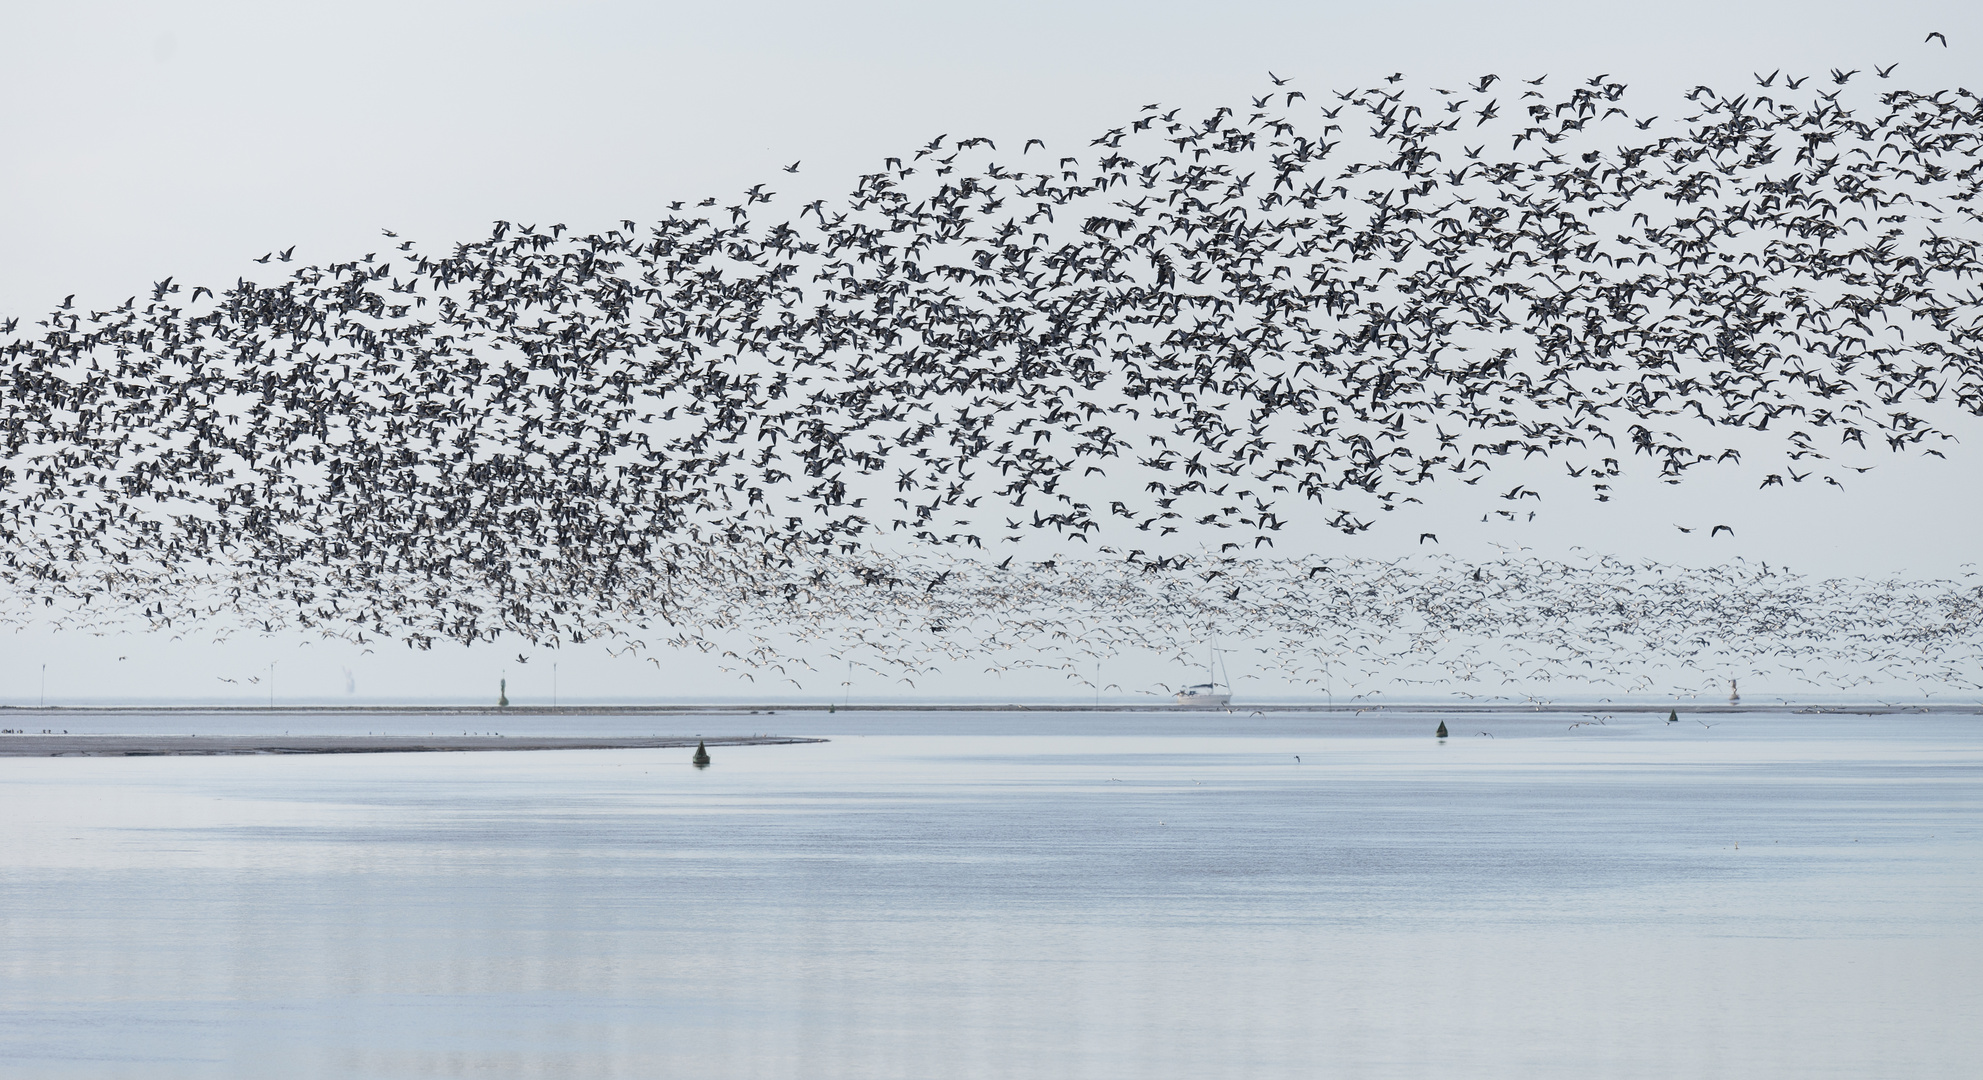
x=1353, y=626
x=1202, y=333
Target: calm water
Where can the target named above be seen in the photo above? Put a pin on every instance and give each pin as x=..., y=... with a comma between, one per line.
x=957, y=895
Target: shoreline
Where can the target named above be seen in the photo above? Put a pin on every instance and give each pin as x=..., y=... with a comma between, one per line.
x=235, y=745
x=1870, y=708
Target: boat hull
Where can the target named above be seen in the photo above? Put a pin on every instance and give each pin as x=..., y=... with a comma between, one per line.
x=1204, y=701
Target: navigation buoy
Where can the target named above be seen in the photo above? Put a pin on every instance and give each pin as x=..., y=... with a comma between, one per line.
x=701, y=758
x=1442, y=729
x=503, y=694
x=1673, y=716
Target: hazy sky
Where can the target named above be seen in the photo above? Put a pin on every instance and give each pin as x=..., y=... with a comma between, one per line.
x=152, y=139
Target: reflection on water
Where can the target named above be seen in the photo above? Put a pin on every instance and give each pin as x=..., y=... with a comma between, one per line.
x=1054, y=895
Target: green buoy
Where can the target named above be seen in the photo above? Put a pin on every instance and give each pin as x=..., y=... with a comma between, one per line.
x=1442, y=729
x=701, y=758
x=1673, y=716
x=503, y=694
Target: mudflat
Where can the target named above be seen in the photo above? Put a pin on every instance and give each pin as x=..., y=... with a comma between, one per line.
x=209, y=745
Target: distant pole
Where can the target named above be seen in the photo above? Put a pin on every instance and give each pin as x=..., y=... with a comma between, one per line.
x=554, y=684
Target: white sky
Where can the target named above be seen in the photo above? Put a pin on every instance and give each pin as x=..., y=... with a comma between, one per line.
x=150, y=139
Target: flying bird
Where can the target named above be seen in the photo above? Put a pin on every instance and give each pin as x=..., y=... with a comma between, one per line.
x=1218, y=333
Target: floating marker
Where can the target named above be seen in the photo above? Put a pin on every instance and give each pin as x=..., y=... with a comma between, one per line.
x=701, y=758
x=1442, y=729
x=1673, y=716
x=503, y=694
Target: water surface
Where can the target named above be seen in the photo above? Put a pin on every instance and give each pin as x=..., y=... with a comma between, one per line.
x=961, y=895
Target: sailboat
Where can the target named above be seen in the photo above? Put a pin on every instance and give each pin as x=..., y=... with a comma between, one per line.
x=1207, y=694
